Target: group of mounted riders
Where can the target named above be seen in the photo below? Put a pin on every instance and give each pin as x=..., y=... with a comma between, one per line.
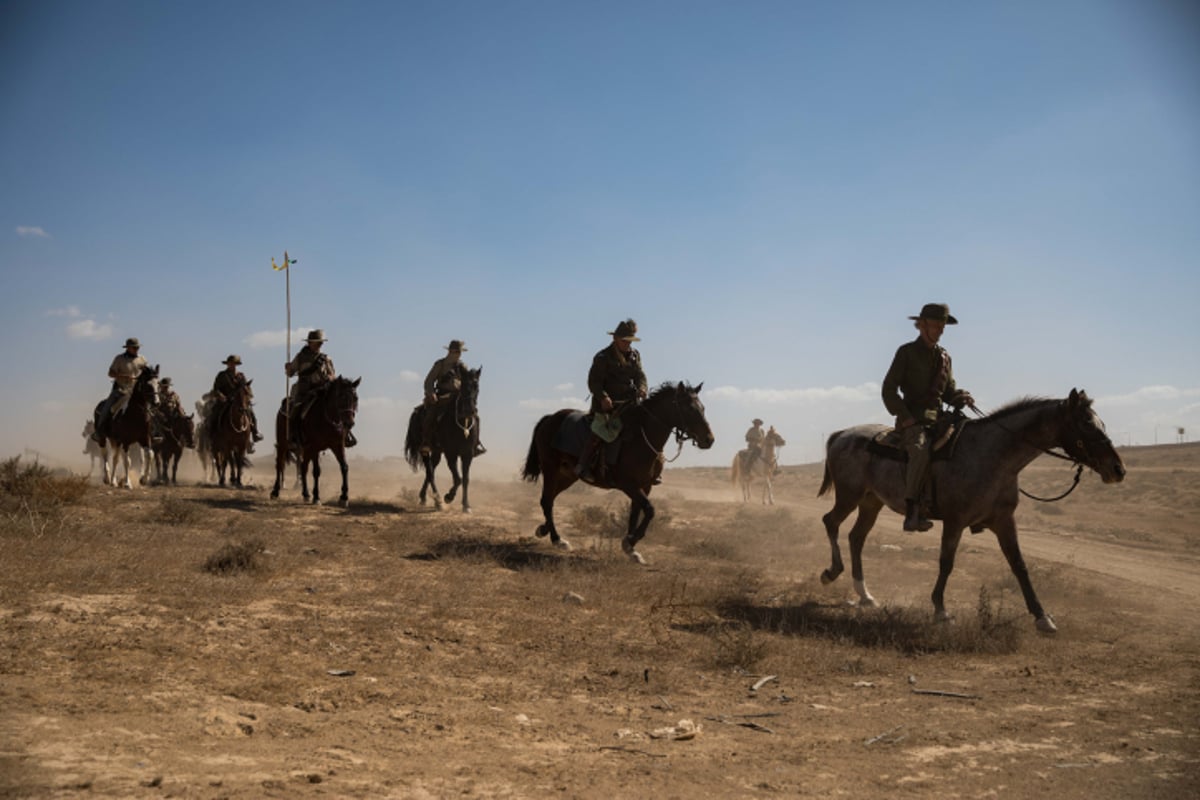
x=917, y=384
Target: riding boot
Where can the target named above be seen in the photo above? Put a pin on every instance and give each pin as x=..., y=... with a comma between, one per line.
x=913, y=521
x=350, y=440
x=258, y=437
x=584, y=466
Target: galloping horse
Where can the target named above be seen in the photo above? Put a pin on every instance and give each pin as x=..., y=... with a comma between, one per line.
x=456, y=436
x=229, y=433
x=90, y=447
x=131, y=426
x=671, y=408
x=976, y=489
x=763, y=466
x=324, y=427
x=178, y=432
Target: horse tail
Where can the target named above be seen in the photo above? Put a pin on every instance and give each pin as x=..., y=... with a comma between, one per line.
x=412, y=439
x=736, y=469
x=533, y=463
x=827, y=481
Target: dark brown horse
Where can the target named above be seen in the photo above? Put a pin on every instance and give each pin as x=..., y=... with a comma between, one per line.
x=229, y=433
x=646, y=427
x=177, y=432
x=131, y=426
x=456, y=436
x=977, y=488
x=325, y=426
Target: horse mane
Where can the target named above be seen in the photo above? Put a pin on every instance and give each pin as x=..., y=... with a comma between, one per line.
x=1025, y=403
x=669, y=386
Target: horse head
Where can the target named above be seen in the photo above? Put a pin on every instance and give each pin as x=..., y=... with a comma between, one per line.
x=342, y=400
x=1082, y=435
x=466, y=404
x=679, y=405
x=145, y=389
x=774, y=439
x=189, y=430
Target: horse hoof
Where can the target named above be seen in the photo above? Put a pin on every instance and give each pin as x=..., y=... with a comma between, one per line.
x=343, y=502
x=1045, y=624
x=636, y=557
x=562, y=544
x=941, y=615
x=828, y=577
x=466, y=509
x=541, y=531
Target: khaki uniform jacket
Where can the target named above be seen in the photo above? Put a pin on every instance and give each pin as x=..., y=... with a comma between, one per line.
x=615, y=375
x=125, y=370
x=445, y=377
x=755, y=436
x=312, y=368
x=918, y=382
x=170, y=403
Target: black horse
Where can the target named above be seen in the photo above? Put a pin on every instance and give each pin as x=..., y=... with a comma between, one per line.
x=456, y=436
x=326, y=426
x=646, y=426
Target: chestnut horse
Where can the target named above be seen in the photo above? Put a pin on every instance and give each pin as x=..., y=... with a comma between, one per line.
x=646, y=426
x=131, y=426
x=977, y=488
x=325, y=426
x=456, y=436
x=229, y=433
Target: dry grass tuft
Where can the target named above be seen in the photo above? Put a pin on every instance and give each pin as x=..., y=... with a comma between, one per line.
x=176, y=511
x=233, y=558
x=33, y=495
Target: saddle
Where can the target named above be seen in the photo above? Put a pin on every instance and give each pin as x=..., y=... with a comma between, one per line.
x=574, y=433
x=945, y=433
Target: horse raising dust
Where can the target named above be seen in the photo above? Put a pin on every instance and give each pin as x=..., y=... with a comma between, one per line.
x=131, y=426
x=229, y=433
x=456, y=436
x=177, y=432
x=325, y=426
x=977, y=488
x=671, y=408
x=763, y=466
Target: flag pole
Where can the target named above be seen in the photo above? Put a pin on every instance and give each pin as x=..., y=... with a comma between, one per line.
x=287, y=379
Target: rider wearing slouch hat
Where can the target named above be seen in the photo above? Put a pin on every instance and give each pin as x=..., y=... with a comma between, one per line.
x=918, y=381
x=616, y=378
x=124, y=371
x=443, y=382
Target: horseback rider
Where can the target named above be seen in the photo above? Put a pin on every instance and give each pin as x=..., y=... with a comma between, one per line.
x=312, y=369
x=615, y=379
x=755, y=437
x=124, y=371
x=919, y=380
x=442, y=385
x=169, y=404
x=224, y=387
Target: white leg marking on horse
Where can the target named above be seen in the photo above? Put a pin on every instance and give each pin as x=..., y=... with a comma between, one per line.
x=864, y=597
x=562, y=544
x=1045, y=624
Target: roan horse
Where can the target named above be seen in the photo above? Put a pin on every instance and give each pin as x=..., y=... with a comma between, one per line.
x=764, y=466
x=131, y=426
x=976, y=489
x=671, y=408
x=324, y=427
x=229, y=433
x=456, y=436
x=178, y=431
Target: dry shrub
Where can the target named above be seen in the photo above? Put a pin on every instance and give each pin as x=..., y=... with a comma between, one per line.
x=235, y=557
x=598, y=521
x=34, y=495
x=176, y=511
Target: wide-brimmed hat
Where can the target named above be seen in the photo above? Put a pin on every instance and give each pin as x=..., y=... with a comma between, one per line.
x=939, y=312
x=627, y=330
x=164, y=382
x=456, y=346
x=234, y=359
x=133, y=342
x=758, y=421
x=317, y=335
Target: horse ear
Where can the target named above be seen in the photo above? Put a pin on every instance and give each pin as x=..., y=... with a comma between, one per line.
x=1073, y=398
x=250, y=381
x=699, y=386
x=355, y=383
x=191, y=416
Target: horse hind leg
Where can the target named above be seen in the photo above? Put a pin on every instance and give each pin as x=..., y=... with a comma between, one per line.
x=868, y=511
x=842, y=507
x=550, y=490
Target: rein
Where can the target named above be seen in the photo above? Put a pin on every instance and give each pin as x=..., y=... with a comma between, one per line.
x=681, y=436
x=1078, y=464
x=470, y=418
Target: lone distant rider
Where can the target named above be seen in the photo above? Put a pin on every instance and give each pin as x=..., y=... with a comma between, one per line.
x=755, y=437
x=124, y=371
x=919, y=380
x=443, y=382
x=615, y=379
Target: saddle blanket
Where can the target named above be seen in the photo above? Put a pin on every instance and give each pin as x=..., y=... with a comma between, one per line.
x=888, y=444
x=574, y=432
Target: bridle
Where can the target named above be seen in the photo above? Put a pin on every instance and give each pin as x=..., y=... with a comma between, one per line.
x=465, y=420
x=345, y=414
x=681, y=434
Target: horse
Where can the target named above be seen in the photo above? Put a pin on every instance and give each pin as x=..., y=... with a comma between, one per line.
x=977, y=488
x=178, y=432
x=764, y=465
x=131, y=426
x=229, y=433
x=456, y=435
x=325, y=426
x=91, y=448
x=646, y=426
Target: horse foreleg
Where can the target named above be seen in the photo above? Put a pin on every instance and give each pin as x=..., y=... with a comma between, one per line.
x=951, y=536
x=344, y=498
x=1006, y=535
x=550, y=489
x=868, y=511
x=280, y=468
x=126, y=482
x=316, y=468
x=466, y=482
x=639, y=506
x=431, y=468
x=767, y=498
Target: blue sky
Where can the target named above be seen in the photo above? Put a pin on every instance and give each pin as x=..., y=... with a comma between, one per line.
x=769, y=188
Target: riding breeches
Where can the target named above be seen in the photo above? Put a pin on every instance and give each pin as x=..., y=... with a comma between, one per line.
x=917, y=444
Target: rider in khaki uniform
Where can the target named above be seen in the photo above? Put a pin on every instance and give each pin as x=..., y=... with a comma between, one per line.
x=919, y=380
x=615, y=378
x=313, y=369
x=442, y=384
x=755, y=437
x=124, y=371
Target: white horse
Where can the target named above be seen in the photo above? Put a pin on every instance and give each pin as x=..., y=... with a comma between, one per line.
x=763, y=466
x=90, y=447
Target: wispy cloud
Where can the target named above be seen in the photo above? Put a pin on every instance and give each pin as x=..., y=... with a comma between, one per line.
x=1148, y=394
x=408, y=376
x=797, y=397
x=564, y=387
x=68, y=311
x=551, y=404
x=32, y=231
x=89, y=329
x=278, y=338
